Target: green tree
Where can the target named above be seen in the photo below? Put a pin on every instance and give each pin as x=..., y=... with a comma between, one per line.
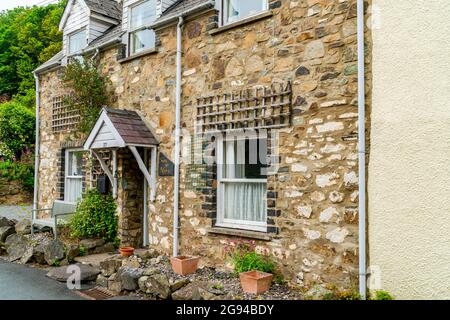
x=28, y=37
x=17, y=125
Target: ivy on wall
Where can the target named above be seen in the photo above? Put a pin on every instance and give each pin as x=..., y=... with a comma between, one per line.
x=88, y=91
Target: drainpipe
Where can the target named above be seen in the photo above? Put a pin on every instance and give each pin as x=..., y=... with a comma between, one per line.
x=36, y=151
x=361, y=152
x=176, y=190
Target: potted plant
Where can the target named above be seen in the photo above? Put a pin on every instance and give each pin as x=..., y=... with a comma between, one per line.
x=255, y=270
x=126, y=251
x=184, y=265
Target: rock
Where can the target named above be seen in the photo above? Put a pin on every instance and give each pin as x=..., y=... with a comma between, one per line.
x=23, y=227
x=54, y=251
x=102, y=281
x=4, y=222
x=314, y=49
x=27, y=256
x=177, y=284
x=131, y=262
x=38, y=254
x=16, y=246
x=129, y=278
x=106, y=248
x=197, y=291
x=110, y=266
x=87, y=273
x=141, y=283
x=114, y=284
x=73, y=251
x=5, y=232
x=151, y=271
x=156, y=285
x=148, y=254
x=89, y=244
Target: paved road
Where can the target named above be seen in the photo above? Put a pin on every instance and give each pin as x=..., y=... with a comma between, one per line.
x=15, y=212
x=19, y=282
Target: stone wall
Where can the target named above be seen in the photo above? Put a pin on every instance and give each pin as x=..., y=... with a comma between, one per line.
x=314, y=198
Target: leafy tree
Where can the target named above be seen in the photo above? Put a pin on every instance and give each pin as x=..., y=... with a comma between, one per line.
x=28, y=37
x=17, y=124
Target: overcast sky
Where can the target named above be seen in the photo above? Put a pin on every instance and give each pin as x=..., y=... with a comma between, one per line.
x=9, y=4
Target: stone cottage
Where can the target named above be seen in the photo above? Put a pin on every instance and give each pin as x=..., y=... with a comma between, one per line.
x=230, y=121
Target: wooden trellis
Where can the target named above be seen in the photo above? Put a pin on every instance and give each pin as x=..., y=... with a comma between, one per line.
x=64, y=118
x=262, y=107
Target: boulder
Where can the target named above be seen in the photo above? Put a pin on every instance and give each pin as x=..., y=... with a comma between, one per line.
x=110, y=266
x=106, y=248
x=23, y=226
x=5, y=232
x=151, y=271
x=102, y=281
x=197, y=291
x=185, y=293
x=132, y=262
x=54, y=251
x=114, y=284
x=148, y=254
x=72, y=251
x=4, y=222
x=38, y=254
x=129, y=278
x=16, y=246
x=177, y=284
x=87, y=273
x=27, y=256
x=90, y=244
x=157, y=286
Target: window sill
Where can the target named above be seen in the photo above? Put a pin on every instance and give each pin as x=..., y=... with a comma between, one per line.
x=138, y=55
x=242, y=22
x=240, y=233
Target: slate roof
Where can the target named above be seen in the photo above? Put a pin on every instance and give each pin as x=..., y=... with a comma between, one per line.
x=54, y=61
x=108, y=8
x=112, y=33
x=131, y=127
x=180, y=7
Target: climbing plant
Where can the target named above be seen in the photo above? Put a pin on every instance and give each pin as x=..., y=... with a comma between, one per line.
x=89, y=91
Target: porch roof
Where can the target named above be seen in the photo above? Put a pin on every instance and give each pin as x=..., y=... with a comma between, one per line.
x=117, y=128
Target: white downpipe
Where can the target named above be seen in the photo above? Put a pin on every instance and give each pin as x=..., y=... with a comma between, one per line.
x=145, y=222
x=176, y=190
x=362, y=152
x=36, y=151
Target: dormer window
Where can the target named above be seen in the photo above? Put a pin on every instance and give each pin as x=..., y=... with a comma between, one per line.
x=140, y=37
x=77, y=42
x=235, y=10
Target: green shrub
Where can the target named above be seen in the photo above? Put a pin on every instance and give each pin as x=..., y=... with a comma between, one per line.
x=95, y=217
x=18, y=171
x=17, y=128
x=245, y=259
x=382, y=295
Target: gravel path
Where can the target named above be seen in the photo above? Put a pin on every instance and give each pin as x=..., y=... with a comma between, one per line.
x=15, y=212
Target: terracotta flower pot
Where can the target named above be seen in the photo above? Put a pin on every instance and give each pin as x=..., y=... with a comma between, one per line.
x=184, y=265
x=126, y=251
x=255, y=282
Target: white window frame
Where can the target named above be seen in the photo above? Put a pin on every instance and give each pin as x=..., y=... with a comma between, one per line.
x=131, y=30
x=224, y=12
x=220, y=219
x=66, y=170
x=69, y=36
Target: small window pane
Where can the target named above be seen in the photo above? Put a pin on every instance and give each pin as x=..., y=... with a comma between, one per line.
x=245, y=159
x=142, y=40
x=238, y=9
x=75, y=164
x=142, y=14
x=77, y=42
